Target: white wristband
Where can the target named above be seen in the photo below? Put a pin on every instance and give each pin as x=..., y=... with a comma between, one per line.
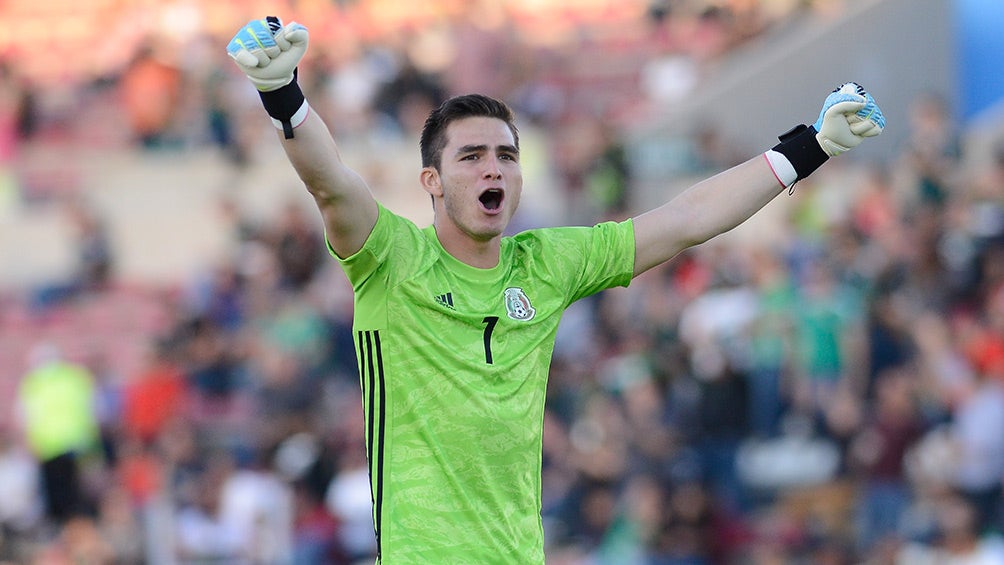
x=297, y=118
x=784, y=172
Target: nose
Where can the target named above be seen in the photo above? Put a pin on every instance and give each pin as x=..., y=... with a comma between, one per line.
x=492, y=170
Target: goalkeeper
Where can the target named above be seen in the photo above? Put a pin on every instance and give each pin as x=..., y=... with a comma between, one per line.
x=454, y=324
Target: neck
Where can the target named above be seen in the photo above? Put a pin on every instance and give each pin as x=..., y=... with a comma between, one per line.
x=483, y=254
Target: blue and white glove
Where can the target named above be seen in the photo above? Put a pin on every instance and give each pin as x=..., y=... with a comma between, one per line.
x=848, y=116
x=268, y=52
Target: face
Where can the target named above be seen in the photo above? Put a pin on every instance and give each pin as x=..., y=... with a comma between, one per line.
x=479, y=180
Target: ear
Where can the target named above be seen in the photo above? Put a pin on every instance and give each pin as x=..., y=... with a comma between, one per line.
x=429, y=177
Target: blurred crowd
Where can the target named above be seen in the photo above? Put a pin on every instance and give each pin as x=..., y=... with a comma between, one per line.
x=835, y=398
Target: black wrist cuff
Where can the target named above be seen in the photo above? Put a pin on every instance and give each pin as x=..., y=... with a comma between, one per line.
x=282, y=103
x=799, y=145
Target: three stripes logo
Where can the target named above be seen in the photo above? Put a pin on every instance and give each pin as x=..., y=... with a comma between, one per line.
x=445, y=300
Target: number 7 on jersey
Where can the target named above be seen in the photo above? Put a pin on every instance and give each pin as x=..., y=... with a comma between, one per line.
x=489, y=322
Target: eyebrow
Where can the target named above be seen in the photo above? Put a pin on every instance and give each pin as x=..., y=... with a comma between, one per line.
x=481, y=148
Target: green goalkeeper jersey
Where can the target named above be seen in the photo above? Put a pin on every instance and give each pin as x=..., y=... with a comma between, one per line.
x=453, y=364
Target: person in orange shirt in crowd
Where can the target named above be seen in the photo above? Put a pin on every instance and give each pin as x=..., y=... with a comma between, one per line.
x=155, y=395
x=150, y=88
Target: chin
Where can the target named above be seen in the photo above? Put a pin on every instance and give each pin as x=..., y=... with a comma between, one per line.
x=488, y=232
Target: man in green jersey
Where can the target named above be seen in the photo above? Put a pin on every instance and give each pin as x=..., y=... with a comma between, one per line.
x=455, y=324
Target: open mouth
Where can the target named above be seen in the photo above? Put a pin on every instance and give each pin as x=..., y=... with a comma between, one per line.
x=491, y=199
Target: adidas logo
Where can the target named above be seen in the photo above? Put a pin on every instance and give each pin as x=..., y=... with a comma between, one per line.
x=445, y=300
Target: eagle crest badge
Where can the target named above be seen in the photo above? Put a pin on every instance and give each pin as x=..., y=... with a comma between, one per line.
x=517, y=305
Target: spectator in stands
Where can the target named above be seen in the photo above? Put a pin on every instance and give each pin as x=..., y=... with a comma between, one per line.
x=958, y=538
x=94, y=247
x=978, y=431
x=931, y=155
x=771, y=342
x=56, y=404
x=21, y=503
x=203, y=533
x=154, y=395
x=299, y=250
x=827, y=325
x=150, y=88
x=878, y=454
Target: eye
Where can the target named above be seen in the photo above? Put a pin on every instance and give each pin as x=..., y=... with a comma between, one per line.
x=469, y=157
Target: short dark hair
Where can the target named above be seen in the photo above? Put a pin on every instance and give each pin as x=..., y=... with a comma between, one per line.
x=458, y=107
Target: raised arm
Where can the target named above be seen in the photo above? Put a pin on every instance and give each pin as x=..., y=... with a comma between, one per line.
x=269, y=52
x=722, y=202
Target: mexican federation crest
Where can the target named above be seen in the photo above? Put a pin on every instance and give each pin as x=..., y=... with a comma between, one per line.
x=517, y=305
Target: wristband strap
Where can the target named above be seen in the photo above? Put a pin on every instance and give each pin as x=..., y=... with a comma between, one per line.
x=294, y=121
x=286, y=105
x=801, y=149
x=784, y=172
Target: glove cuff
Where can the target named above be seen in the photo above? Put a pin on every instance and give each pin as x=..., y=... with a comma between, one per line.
x=286, y=105
x=800, y=147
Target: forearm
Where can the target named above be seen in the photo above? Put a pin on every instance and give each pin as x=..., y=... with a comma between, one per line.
x=722, y=202
x=342, y=196
x=314, y=155
x=705, y=210
x=732, y=197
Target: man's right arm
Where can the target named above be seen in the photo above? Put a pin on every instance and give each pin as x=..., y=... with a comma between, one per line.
x=269, y=53
x=345, y=201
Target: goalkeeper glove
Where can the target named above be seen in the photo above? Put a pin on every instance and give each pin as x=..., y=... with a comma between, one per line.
x=269, y=53
x=848, y=116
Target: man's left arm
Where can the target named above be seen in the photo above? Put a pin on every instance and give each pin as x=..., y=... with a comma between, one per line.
x=726, y=200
